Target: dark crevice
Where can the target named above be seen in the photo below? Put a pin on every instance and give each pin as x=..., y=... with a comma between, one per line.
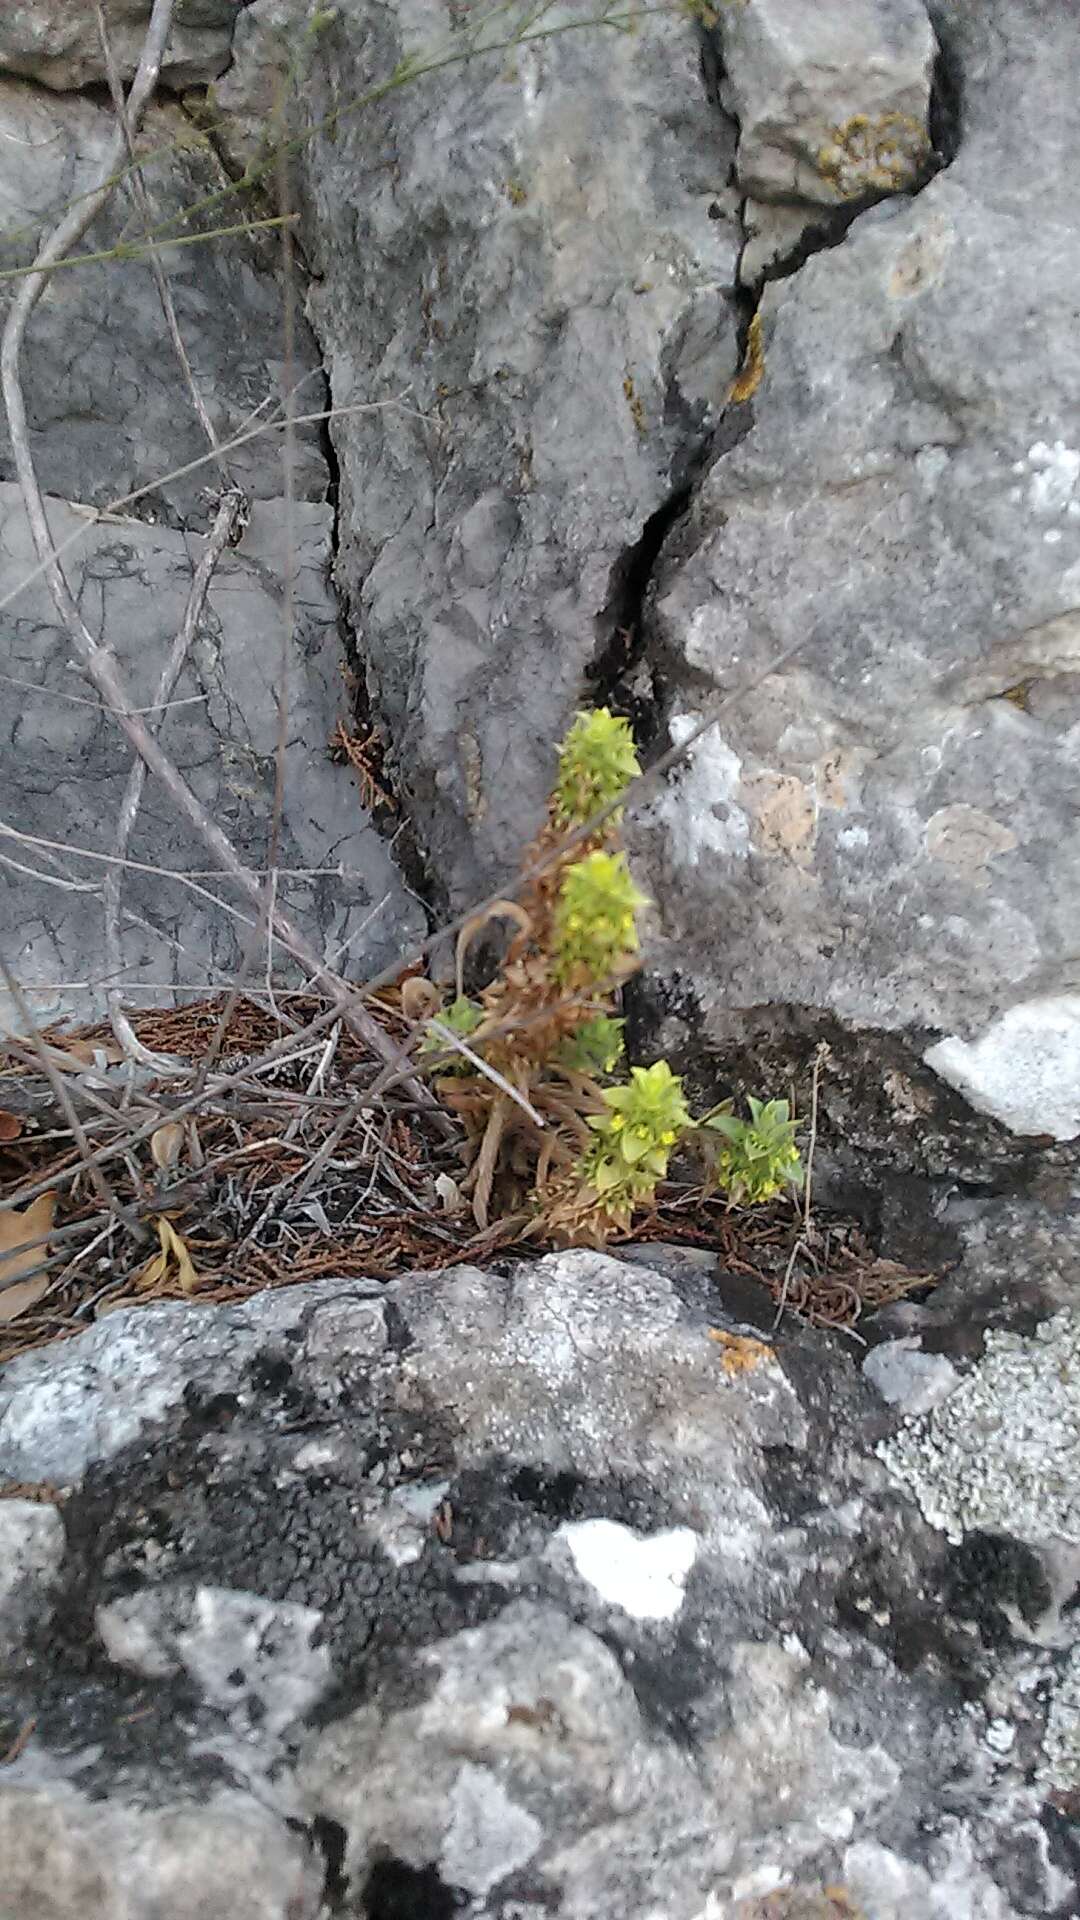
x=626, y=675
x=826, y=229
x=615, y=678
x=621, y=676
x=395, y=1891
x=382, y=802
x=330, y=1838
x=946, y=98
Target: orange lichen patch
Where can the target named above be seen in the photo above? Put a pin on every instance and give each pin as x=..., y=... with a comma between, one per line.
x=802, y=1903
x=749, y=377
x=636, y=404
x=967, y=838
x=741, y=1352
x=783, y=815
x=874, y=155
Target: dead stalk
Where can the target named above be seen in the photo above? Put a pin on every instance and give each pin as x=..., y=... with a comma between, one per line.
x=226, y=520
x=802, y=1241
x=63, y=1099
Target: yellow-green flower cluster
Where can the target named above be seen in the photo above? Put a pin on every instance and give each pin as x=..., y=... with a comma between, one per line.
x=759, y=1157
x=596, y=762
x=645, y=1120
x=594, y=918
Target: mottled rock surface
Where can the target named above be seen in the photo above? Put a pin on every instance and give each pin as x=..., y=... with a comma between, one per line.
x=884, y=830
x=108, y=408
x=568, y=1589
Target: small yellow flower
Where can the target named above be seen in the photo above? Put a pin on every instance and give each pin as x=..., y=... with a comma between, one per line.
x=616, y=1122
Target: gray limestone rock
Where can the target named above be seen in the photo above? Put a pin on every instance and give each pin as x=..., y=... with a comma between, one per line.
x=833, y=106
x=880, y=827
x=60, y=44
x=108, y=408
x=64, y=766
x=538, y=247
x=109, y=412
x=66, y=1854
x=491, y=1589
x=31, y=1549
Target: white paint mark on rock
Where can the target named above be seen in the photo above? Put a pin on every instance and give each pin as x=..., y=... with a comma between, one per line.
x=644, y=1574
x=1001, y=1736
x=1024, y=1070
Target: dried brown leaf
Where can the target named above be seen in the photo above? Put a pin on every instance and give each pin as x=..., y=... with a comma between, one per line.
x=18, y=1255
x=419, y=998
x=450, y=1195
x=74, y=1056
x=11, y=1126
x=173, y=1252
x=166, y=1143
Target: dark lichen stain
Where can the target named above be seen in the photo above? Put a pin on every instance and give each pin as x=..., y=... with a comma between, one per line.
x=988, y=1573
x=396, y=1891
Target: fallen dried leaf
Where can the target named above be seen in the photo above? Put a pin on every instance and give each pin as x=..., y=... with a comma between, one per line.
x=419, y=998
x=18, y=1255
x=74, y=1056
x=172, y=1250
x=10, y=1126
x=450, y=1195
x=166, y=1143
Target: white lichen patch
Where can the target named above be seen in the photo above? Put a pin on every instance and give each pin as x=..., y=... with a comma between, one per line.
x=1003, y=1451
x=1024, y=1070
x=1054, y=483
x=489, y=1835
x=699, y=810
x=644, y=1574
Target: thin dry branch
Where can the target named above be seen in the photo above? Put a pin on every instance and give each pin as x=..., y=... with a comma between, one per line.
x=226, y=521
x=142, y=201
x=99, y=661
x=63, y=1097
x=265, y=923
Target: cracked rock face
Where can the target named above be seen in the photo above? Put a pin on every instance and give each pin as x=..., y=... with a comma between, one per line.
x=881, y=827
x=558, y=1590
x=540, y=249
x=60, y=46
x=109, y=412
x=108, y=408
x=64, y=766
x=833, y=104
